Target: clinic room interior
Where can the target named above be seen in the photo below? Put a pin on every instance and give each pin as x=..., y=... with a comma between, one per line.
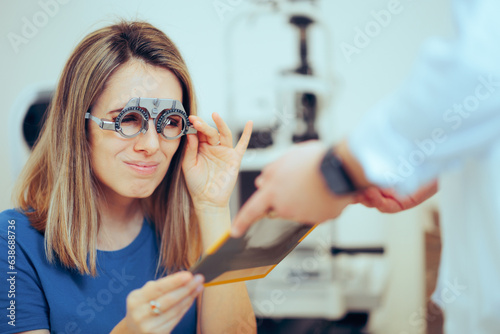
x=300, y=70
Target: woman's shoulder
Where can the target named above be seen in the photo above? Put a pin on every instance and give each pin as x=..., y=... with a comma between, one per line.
x=15, y=222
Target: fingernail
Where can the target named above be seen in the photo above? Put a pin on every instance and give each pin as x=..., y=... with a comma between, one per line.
x=199, y=278
x=198, y=123
x=199, y=289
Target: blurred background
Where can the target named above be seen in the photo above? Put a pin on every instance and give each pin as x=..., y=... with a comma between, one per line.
x=300, y=69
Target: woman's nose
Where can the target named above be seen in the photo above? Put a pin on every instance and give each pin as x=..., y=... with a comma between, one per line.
x=149, y=141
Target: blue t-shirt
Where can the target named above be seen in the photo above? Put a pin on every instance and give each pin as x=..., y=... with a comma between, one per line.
x=35, y=294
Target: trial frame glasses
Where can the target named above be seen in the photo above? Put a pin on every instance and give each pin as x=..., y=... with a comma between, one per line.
x=171, y=120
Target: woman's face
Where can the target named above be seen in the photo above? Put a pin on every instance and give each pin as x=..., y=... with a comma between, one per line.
x=134, y=167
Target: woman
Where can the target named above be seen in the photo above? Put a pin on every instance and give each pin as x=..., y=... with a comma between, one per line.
x=104, y=217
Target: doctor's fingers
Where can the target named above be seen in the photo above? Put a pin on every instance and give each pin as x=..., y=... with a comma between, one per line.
x=206, y=133
x=269, y=176
x=257, y=207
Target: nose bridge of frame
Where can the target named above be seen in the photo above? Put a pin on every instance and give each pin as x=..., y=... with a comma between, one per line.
x=154, y=105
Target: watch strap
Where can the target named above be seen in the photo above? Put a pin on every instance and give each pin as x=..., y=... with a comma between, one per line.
x=335, y=175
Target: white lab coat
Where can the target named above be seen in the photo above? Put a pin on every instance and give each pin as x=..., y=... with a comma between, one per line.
x=445, y=122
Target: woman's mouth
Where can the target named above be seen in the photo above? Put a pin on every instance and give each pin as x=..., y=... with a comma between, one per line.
x=142, y=167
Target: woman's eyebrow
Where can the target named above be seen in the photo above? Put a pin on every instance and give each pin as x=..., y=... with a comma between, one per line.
x=113, y=111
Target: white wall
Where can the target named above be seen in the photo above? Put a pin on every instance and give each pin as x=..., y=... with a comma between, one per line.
x=198, y=30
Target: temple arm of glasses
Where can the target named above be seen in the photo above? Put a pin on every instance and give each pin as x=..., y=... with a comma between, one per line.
x=103, y=124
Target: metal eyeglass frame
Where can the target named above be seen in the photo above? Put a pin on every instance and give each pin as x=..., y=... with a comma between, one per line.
x=155, y=107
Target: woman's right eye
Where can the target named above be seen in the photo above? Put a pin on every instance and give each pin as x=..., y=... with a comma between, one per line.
x=131, y=119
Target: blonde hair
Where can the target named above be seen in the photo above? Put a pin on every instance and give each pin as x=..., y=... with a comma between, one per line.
x=57, y=189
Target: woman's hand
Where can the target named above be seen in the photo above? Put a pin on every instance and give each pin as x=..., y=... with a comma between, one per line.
x=173, y=295
x=387, y=201
x=211, y=164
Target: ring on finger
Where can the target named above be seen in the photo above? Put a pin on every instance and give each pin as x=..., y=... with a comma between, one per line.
x=155, y=307
x=271, y=214
x=218, y=142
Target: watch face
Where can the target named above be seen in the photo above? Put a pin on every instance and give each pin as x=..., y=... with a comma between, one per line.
x=335, y=175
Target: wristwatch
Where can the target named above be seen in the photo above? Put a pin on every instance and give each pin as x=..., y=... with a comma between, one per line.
x=335, y=175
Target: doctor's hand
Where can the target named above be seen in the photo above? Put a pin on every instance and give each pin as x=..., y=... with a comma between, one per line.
x=292, y=188
x=388, y=201
x=159, y=305
x=211, y=164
